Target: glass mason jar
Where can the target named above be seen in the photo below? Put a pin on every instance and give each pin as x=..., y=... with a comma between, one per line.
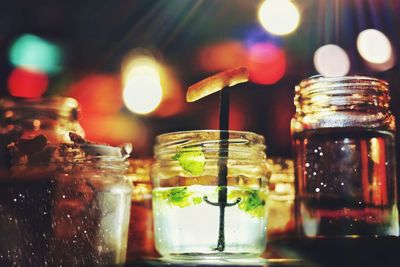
x=281, y=219
x=343, y=134
x=60, y=203
x=141, y=231
x=196, y=215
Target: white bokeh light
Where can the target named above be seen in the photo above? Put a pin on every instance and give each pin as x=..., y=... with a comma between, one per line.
x=142, y=91
x=331, y=60
x=279, y=17
x=374, y=46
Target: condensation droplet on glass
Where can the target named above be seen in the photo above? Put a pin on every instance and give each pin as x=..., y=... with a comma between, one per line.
x=68, y=216
x=315, y=151
x=342, y=184
x=321, y=154
x=386, y=163
x=317, y=189
x=314, y=173
x=307, y=164
x=63, y=196
x=15, y=200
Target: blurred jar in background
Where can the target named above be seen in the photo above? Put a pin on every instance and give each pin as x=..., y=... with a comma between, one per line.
x=281, y=219
x=141, y=233
x=64, y=201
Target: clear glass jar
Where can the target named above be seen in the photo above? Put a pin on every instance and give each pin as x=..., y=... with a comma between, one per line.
x=343, y=134
x=191, y=219
x=281, y=219
x=141, y=231
x=60, y=203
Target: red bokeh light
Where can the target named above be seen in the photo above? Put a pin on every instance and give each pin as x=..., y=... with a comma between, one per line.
x=266, y=63
x=27, y=83
x=98, y=94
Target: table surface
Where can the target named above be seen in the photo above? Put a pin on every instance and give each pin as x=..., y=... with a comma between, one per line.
x=337, y=252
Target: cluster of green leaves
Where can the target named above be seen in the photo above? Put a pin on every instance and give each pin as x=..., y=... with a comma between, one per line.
x=252, y=201
x=191, y=159
x=178, y=196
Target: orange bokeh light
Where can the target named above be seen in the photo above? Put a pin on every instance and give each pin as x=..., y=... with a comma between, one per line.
x=265, y=60
x=222, y=56
x=27, y=83
x=98, y=93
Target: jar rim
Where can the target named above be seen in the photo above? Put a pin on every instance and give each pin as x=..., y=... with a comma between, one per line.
x=64, y=101
x=320, y=78
x=167, y=136
x=170, y=143
x=65, y=107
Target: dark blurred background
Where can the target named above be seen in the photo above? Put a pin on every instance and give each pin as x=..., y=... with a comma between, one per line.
x=129, y=63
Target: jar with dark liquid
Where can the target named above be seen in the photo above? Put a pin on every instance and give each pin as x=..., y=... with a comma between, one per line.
x=63, y=201
x=345, y=165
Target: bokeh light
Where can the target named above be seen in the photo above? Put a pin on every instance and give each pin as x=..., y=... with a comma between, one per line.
x=32, y=52
x=98, y=93
x=266, y=63
x=173, y=98
x=331, y=60
x=115, y=129
x=222, y=56
x=374, y=46
x=27, y=83
x=142, y=91
x=279, y=17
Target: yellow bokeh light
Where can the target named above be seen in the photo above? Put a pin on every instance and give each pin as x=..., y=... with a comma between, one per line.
x=279, y=17
x=374, y=46
x=142, y=92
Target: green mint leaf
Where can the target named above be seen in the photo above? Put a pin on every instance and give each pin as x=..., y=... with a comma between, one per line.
x=178, y=196
x=191, y=159
x=252, y=201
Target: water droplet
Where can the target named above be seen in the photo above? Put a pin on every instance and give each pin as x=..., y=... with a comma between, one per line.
x=68, y=216
x=321, y=154
x=315, y=151
x=15, y=200
x=307, y=165
x=317, y=189
x=342, y=184
x=314, y=173
x=63, y=196
x=343, y=148
x=386, y=163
